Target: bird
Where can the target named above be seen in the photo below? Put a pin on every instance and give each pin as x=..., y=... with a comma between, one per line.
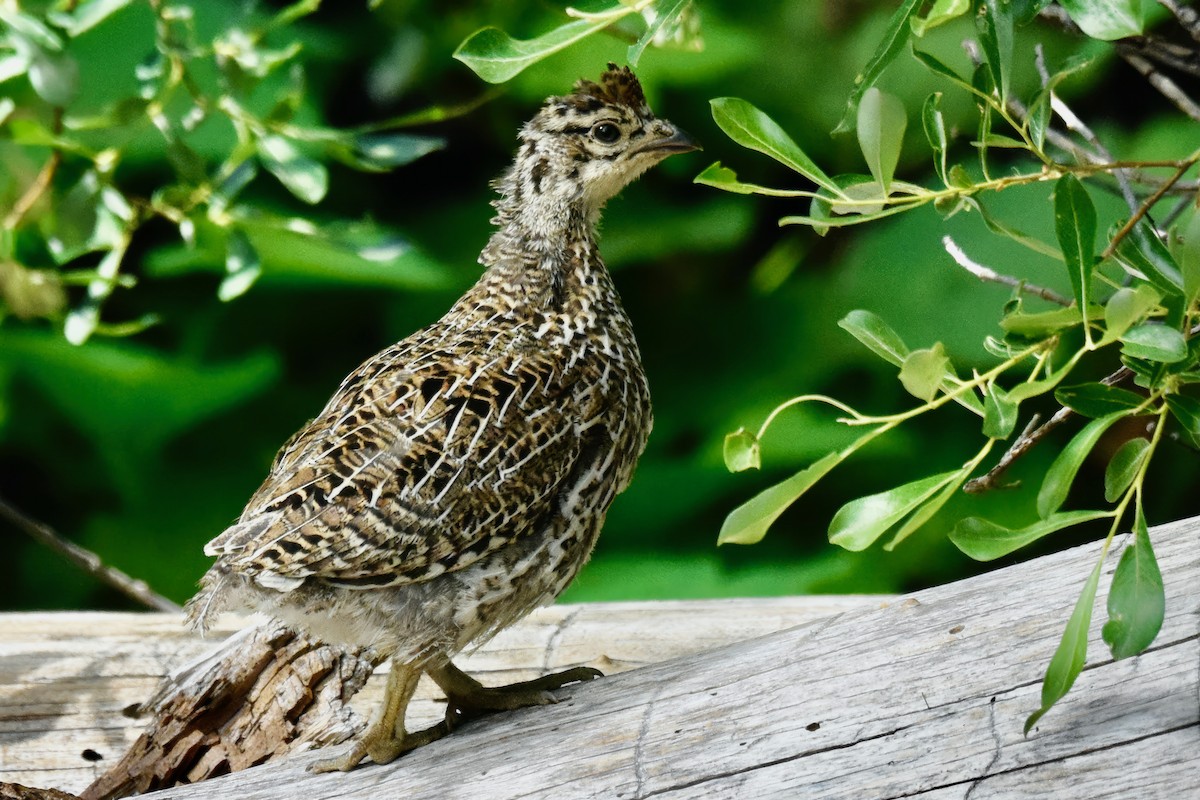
x=459, y=479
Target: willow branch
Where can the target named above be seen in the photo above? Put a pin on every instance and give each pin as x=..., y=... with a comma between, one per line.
x=985, y=273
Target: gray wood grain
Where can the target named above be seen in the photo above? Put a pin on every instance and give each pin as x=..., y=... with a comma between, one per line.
x=924, y=697
x=65, y=678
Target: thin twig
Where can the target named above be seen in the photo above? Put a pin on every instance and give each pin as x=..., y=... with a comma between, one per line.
x=86, y=560
x=988, y=274
x=1143, y=209
x=1032, y=434
x=41, y=183
x=1166, y=87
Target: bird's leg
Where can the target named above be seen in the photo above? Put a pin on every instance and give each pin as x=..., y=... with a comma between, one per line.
x=386, y=738
x=467, y=698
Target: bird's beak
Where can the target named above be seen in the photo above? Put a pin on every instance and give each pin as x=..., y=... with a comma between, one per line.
x=678, y=141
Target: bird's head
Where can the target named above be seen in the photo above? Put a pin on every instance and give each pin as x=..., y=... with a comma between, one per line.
x=582, y=148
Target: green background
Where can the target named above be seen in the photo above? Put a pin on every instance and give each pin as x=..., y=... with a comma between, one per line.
x=144, y=448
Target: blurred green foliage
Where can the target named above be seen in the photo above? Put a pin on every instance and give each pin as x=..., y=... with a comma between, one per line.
x=144, y=447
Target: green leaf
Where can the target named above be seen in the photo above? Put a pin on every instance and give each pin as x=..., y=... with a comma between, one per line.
x=1187, y=254
x=924, y=370
x=303, y=177
x=1071, y=654
x=895, y=36
x=383, y=152
x=876, y=335
x=984, y=540
x=995, y=26
x=926, y=511
x=1123, y=467
x=1143, y=251
x=1043, y=323
x=1106, y=19
x=999, y=413
x=496, y=57
x=1125, y=308
x=1075, y=227
x=748, y=523
x=881, y=124
x=939, y=68
x=55, y=77
x=720, y=177
x=30, y=29
x=860, y=522
x=87, y=15
x=935, y=131
x=1097, y=400
x=1187, y=411
x=941, y=12
x=1136, y=600
x=666, y=13
x=751, y=128
x=1062, y=472
x=1154, y=342
x=242, y=265
x=742, y=451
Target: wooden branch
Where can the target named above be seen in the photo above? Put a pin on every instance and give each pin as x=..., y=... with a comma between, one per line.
x=919, y=697
x=922, y=698
x=71, y=684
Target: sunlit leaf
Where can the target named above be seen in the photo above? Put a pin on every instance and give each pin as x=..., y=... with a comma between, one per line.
x=1154, y=342
x=1075, y=227
x=55, y=77
x=984, y=540
x=748, y=523
x=1061, y=474
x=721, y=177
x=1106, y=19
x=876, y=335
x=880, y=128
x=305, y=178
x=496, y=57
x=30, y=29
x=1097, y=400
x=1123, y=467
x=895, y=36
x=1136, y=600
x=751, y=128
x=663, y=15
x=1043, y=323
x=995, y=26
x=926, y=510
x=87, y=15
x=1071, y=654
x=242, y=265
x=860, y=522
x=1000, y=413
x=935, y=131
x=1125, y=308
x=923, y=371
x=941, y=12
x=382, y=152
x=742, y=451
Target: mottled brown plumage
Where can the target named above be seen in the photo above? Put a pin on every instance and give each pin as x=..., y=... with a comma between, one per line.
x=459, y=479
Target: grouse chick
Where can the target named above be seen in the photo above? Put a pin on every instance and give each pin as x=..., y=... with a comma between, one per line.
x=459, y=479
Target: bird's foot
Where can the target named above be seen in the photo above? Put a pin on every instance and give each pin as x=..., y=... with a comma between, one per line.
x=467, y=698
x=382, y=745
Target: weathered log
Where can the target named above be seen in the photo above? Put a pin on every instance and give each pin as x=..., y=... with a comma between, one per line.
x=71, y=684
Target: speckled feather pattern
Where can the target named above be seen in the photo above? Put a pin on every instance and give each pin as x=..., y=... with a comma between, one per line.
x=459, y=479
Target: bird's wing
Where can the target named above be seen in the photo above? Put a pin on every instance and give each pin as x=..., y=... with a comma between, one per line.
x=421, y=463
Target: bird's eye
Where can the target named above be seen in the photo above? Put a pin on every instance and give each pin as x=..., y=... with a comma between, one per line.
x=606, y=132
